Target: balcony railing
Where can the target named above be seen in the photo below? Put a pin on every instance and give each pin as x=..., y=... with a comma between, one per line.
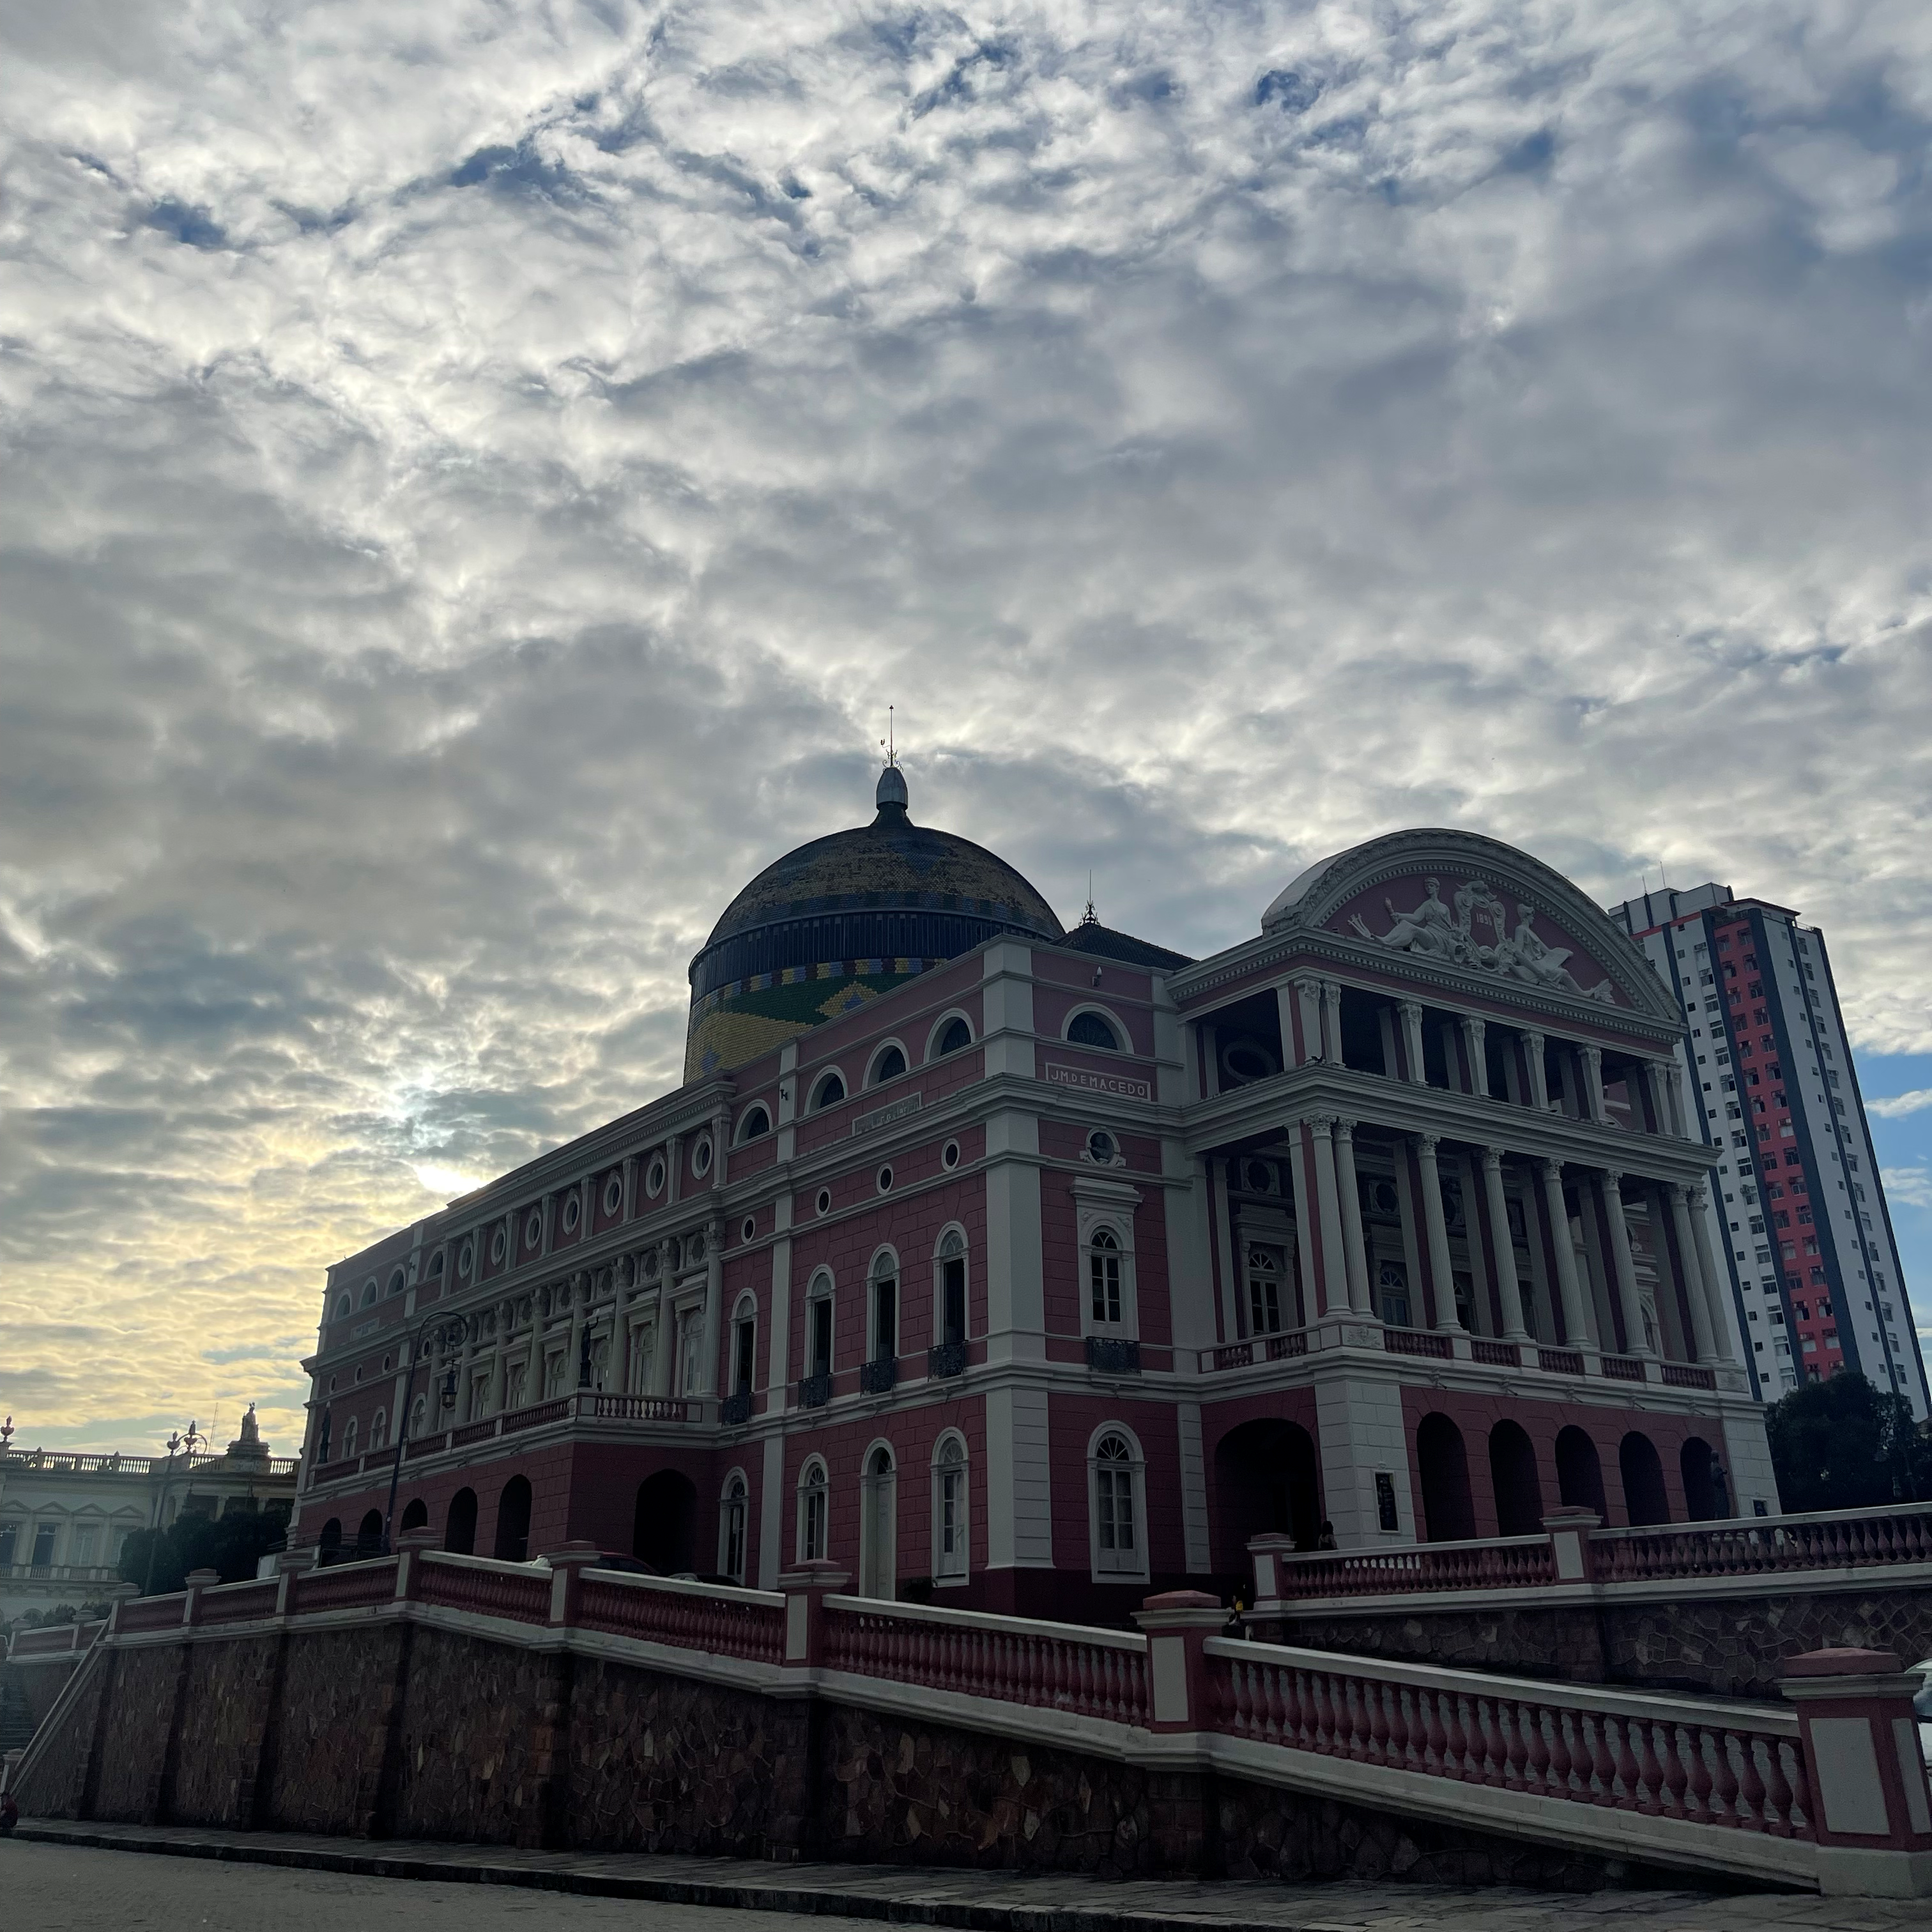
x=736, y=1410
x=944, y=1360
x=1109, y=1355
x=814, y=1391
x=1418, y=1341
x=878, y=1376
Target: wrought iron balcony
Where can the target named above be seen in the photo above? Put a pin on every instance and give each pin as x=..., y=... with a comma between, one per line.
x=735, y=1408
x=876, y=1378
x=1112, y=1356
x=944, y=1360
x=814, y=1391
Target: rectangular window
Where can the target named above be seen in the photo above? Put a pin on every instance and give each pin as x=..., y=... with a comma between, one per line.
x=690, y=1350
x=951, y=1551
x=952, y=1299
x=885, y=1317
x=819, y=1351
x=44, y=1545
x=10, y=1536
x=744, y=1355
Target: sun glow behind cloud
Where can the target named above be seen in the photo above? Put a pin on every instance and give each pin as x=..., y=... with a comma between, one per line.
x=476, y=475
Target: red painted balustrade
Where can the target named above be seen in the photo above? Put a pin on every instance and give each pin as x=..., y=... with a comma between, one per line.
x=1762, y=1546
x=237, y=1603
x=346, y=1586
x=60, y=1637
x=1725, y=1765
x=484, y=1588
x=1417, y=1342
x=151, y=1613
x=537, y=1415
x=1507, y=1564
x=693, y=1616
x=1060, y=1667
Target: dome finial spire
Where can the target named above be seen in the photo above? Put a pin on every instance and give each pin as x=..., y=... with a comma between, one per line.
x=891, y=796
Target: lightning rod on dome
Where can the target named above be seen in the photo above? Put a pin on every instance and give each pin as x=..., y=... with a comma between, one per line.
x=887, y=742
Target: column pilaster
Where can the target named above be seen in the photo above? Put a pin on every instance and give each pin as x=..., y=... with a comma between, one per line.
x=1707, y=1262
x=1692, y=1275
x=1533, y=1045
x=1475, y=1050
x=1596, y=1108
x=1623, y=1265
x=1411, y=1011
x=1575, y=1330
x=1436, y=1229
x=1509, y=1289
x=1334, y=1267
x=1355, y=1249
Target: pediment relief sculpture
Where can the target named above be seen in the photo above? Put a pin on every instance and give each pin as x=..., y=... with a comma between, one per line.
x=1476, y=929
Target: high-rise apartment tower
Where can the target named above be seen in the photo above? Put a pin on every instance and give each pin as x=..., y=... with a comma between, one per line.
x=1796, y=1206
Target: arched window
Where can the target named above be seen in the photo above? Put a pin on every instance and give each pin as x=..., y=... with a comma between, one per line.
x=1103, y=1279
x=818, y=1325
x=344, y=1308
x=349, y=1439
x=1264, y=1290
x=955, y=1036
x=731, y=1519
x=419, y=1410
x=379, y=1430
x=744, y=1345
x=754, y=1121
x=889, y=1065
x=1092, y=1029
x=878, y=1525
x=950, y=1322
x=398, y=1281
x=459, y=1527
x=513, y=1521
x=812, y=1512
x=435, y=1262
x=829, y=1091
x=883, y=1307
x=1120, y=1542
x=369, y=1293
x=951, y=1523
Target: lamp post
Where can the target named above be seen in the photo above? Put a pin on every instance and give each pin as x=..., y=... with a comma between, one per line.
x=176, y=1441
x=403, y=1421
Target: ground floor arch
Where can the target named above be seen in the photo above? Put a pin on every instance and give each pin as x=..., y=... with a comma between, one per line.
x=664, y=1528
x=1645, y=1500
x=1448, y=1510
x=1579, y=1471
x=1267, y=1482
x=459, y=1527
x=1514, y=1480
x=512, y=1543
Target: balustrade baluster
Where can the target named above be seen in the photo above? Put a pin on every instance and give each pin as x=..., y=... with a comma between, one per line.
x=1435, y=1737
x=1537, y=1762
x=1563, y=1762
x=1674, y=1776
x=1403, y=1752
x=1698, y=1804
x=1723, y=1810
x=1495, y=1742
x=1750, y=1786
x=1318, y=1692
x=1377, y=1694
x=1800, y=1814
x=1649, y=1770
x=1603, y=1767
x=1512, y=1716
x=1455, y=1737
x=1618, y=1730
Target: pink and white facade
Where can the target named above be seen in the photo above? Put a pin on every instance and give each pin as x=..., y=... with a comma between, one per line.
x=1798, y=1212
x=1048, y=1276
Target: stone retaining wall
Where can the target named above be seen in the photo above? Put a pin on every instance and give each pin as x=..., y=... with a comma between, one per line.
x=404, y=1730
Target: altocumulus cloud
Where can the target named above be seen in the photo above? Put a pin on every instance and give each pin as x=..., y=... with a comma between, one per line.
x=476, y=475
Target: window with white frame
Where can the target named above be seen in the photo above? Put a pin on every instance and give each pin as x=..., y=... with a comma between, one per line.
x=1119, y=1531
x=949, y=1316
x=690, y=1351
x=744, y=1345
x=1106, y=1306
x=732, y=1516
x=883, y=1307
x=818, y=1326
x=951, y=1525
x=878, y=1524
x=379, y=1430
x=1105, y=1220
x=348, y=1438
x=812, y=1512
x=1264, y=1290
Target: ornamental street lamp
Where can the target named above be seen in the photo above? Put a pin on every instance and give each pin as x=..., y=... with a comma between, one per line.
x=447, y=1401
x=176, y=1441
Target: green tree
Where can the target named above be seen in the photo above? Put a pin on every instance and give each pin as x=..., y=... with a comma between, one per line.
x=1843, y=1444
x=233, y=1544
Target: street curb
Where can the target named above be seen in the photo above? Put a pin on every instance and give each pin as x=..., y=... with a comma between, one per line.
x=805, y=1900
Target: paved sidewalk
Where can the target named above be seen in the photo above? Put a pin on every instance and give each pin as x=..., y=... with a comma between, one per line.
x=979, y=1901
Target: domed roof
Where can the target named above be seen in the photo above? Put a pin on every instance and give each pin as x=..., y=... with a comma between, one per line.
x=889, y=865
x=842, y=919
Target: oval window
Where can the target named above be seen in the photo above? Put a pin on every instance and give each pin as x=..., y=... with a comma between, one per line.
x=700, y=1157
x=1102, y=1148
x=569, y=1213
x=654, y=1178
x=613, y=1194
x=951, y=1156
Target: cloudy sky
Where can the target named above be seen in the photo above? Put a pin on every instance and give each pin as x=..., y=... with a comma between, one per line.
x=476, y=474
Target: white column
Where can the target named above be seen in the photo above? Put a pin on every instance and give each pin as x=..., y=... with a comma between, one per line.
x=1475, y=1049
x=1334, y=1267
x=1437, y=1230
x=1575, y=1332
x=1690, y=1274
x=1354, y=1248
x=1539, y=1075
x=1304, y=1229
x=1707, y=1263
x=1331, y=1021
x=1411, y=1011
x=1509, y=1290
x=664, y=1341
x=714, y=1300
x=1594, y=1106
x=494, y=1400
x=1623, y=1267
x=579, y=1293
x=462, y=1368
